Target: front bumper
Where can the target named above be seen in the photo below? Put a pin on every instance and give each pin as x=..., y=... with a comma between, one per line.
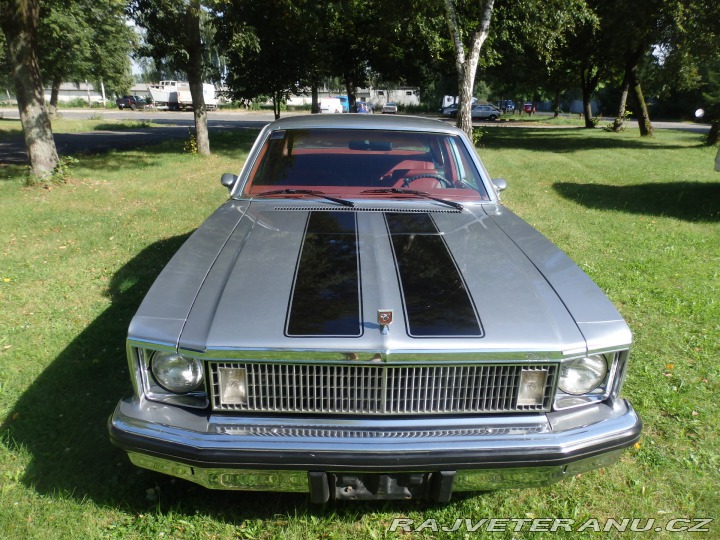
x=301, y=454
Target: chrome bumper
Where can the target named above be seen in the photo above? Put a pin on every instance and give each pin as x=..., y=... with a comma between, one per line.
x=297, y=481
x=283, y=454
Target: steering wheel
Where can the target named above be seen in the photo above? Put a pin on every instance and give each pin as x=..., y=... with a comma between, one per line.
x=444, y=181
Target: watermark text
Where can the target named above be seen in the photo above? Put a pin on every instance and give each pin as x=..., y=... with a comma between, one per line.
x=552, y=525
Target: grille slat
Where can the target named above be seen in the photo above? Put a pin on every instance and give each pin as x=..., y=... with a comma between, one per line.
x=380, y=389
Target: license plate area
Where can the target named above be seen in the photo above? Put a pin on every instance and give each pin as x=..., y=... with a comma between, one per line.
x=368, y=487
x=436, y=486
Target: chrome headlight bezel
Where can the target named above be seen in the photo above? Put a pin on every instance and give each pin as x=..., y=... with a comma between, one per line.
x=154, y=390
x=606, y=386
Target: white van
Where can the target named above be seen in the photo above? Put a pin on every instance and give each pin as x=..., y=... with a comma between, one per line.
x=330, y=106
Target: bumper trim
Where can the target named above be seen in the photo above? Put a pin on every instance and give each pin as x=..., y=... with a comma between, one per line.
x=207, y=452
x=316, y=483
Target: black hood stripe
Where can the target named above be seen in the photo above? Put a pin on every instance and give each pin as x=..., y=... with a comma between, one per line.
x=436, y=300
x=326, y=297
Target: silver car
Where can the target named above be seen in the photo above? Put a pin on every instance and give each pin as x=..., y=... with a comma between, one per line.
x=390, y=108
x=477, y=112
x=484, y=112
x=363, y=319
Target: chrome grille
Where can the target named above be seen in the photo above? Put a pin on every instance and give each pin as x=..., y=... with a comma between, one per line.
x=380, y=389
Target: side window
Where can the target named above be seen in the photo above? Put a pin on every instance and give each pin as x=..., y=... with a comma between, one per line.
x=466, y=171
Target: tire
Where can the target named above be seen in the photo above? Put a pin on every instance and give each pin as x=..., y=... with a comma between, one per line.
x=492, y=117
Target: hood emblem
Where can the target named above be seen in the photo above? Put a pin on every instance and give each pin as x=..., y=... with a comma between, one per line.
x=385, y=319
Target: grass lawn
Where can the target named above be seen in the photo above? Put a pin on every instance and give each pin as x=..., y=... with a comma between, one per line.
x=641, y=217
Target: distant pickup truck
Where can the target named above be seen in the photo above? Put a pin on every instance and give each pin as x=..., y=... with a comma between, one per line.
x=130, y=102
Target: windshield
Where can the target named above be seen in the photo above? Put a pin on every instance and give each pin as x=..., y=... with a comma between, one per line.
x=349, y=162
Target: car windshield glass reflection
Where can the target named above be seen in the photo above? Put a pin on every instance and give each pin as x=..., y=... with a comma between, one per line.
x=345, y=161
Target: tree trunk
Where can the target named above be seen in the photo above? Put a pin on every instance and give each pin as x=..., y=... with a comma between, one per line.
x=587, y=112
x=350, y=89
x=632, y=78
x=54, y=93
x=619, y=122
x=466, y=63
x=465, y=90
x=714, y=134
x=315, y=107
x=556, y=106
x=19, y=21
x=277, y=101
x=194, y=49
x=589, y=78
x=646, y=129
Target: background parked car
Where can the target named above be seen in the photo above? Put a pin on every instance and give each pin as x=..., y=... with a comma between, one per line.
x=345, y=103
x=485, y=112
x=363, y=107
x=390, y=108
x=506, y=105
x=450, y=111
x=130, y=102
x=528, y=108
x=478, y=112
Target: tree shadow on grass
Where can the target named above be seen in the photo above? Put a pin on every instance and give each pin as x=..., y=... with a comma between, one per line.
x=60, y=420
x=230, y=143
x=227, y=139
x=568, y=140
x=61, y=423
x=689, y=201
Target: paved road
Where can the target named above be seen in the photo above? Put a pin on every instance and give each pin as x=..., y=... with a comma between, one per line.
x=174, y=125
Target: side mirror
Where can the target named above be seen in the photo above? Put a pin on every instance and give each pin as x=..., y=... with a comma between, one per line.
x=228, y=180
x=500, y=184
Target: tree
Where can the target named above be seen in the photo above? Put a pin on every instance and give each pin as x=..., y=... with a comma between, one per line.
x=65, y=43
x=352, y=37
x=467, y=56
x=629, y=32
x=540, y=28
x=84, y=40
x=173, y=35
x=19, y=21
x=265, y=49
x=411, y=46
x=692, y=45
x=711, y=96
x=6, y=80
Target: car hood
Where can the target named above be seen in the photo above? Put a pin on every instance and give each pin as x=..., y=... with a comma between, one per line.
x=268, y=275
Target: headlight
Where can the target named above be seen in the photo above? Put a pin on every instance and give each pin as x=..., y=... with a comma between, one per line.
x=583, y=375
x=176, y=373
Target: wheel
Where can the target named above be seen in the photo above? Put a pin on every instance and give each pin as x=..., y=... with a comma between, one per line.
x=492, y=117
x=444, y=181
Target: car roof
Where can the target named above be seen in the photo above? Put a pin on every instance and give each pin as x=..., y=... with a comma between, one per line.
x=384, y=122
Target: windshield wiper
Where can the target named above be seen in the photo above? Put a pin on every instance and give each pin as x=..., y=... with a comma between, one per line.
x=306, y=192
x=418, y=193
